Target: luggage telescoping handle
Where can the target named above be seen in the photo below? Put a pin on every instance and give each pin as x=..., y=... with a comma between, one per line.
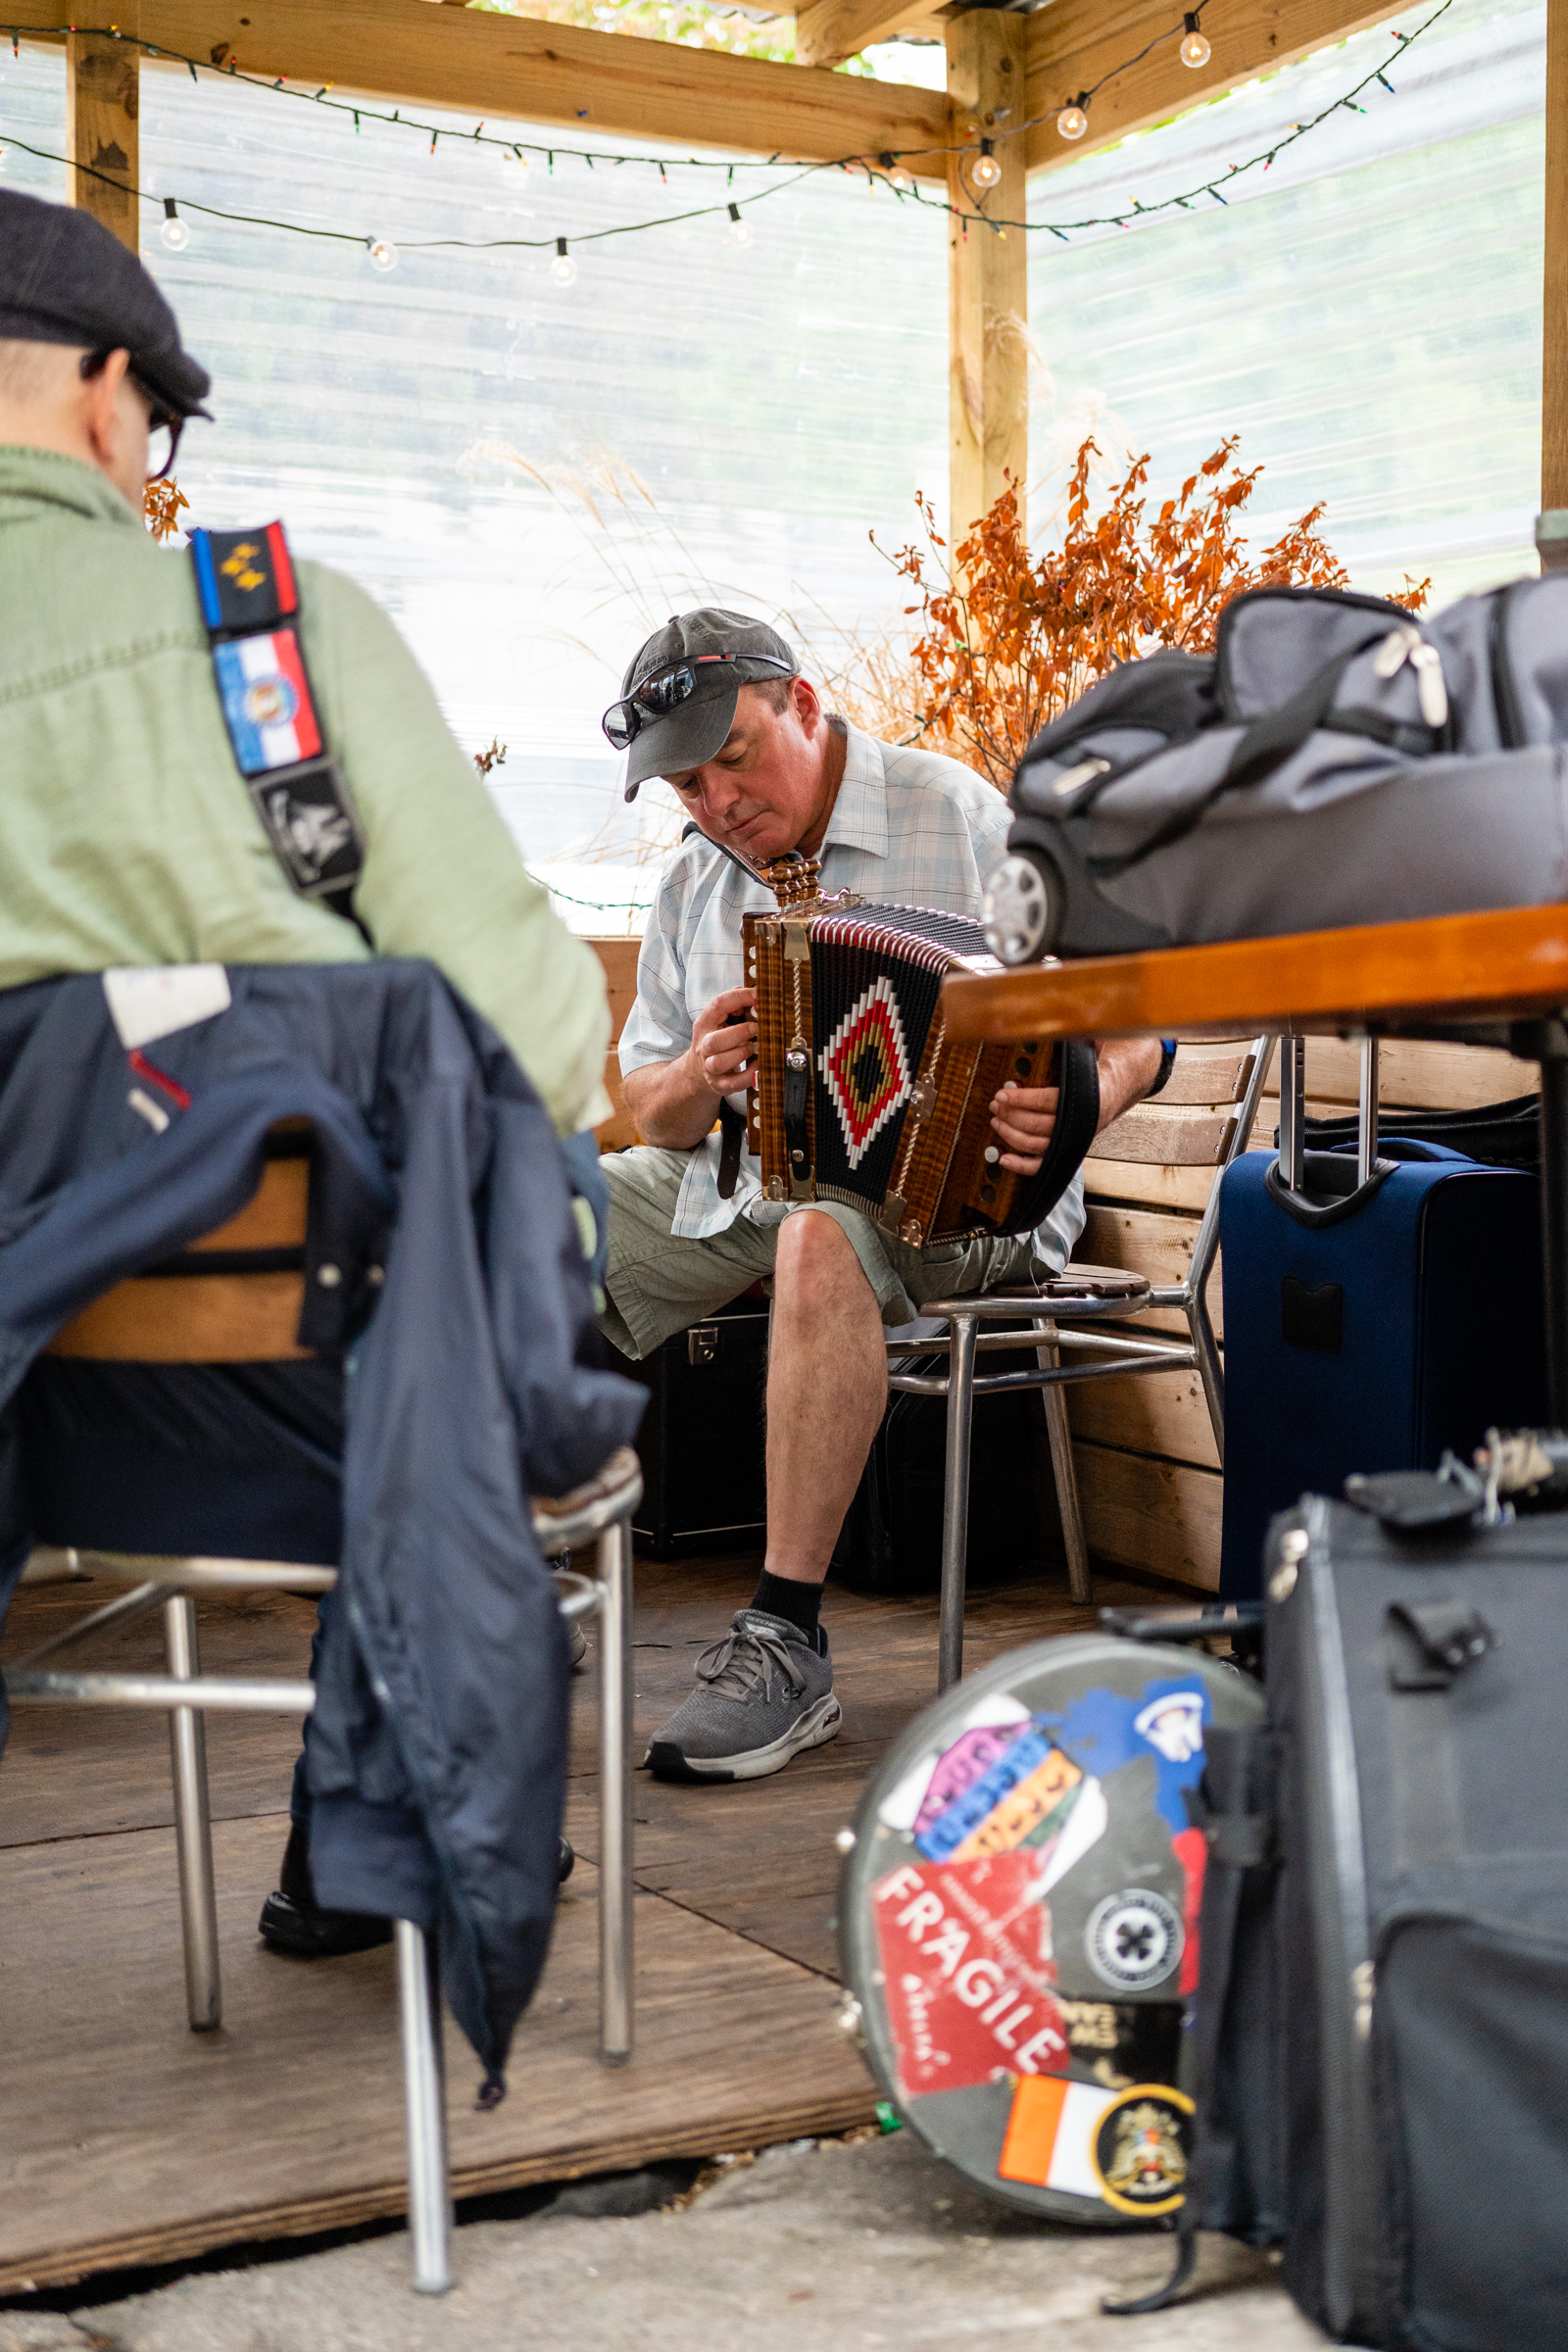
x=1293, y=1112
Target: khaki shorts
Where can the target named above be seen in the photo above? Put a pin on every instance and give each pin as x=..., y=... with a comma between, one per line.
x=659, y=1282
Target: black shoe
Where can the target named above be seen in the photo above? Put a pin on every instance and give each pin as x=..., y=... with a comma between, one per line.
x=292, y=1921
x=565, y=1865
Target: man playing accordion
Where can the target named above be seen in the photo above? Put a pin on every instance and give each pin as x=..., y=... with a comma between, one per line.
x=716, y=704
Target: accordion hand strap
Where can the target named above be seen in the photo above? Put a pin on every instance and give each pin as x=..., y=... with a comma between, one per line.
x=1077, y=1124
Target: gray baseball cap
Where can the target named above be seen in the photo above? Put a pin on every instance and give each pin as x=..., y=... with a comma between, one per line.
x=724, y=652
x=66, y=278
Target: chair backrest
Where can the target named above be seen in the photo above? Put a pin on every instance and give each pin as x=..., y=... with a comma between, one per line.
x=232, y=1298
x=1192, y=1121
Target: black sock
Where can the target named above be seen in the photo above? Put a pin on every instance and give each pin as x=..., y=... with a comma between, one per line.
x=783, y=1596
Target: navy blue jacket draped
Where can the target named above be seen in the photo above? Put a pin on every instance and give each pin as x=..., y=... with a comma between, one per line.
x=437, y=1752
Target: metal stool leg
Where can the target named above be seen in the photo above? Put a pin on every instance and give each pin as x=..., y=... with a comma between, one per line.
x=615, y=1955
x=426, y=2102
x=1048, y=1356
x=193, y=1829
x=955, y=1498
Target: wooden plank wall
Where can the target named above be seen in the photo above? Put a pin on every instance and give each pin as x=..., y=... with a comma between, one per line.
x=1148, y=1474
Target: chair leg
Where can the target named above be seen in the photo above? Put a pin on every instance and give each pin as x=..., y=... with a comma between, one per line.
x=426, y=2103
x=955, y=1500
x=1048, y=1356
x=193, y=1827
x=616, y=1954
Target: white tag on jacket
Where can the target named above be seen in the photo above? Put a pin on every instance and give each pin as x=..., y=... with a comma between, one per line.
x=146, y=1003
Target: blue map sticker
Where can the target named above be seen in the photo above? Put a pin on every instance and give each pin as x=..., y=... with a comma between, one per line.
x=1102, y=1730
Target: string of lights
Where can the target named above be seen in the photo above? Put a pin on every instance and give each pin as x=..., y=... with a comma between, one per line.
x=886, y=167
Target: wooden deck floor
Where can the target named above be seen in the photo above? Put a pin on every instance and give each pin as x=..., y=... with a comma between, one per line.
x=125, y=2138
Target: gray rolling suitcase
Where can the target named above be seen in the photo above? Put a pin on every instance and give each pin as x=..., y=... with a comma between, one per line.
x=1379, y=2049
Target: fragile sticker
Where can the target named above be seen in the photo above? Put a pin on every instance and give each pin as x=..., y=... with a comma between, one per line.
x=968, y=1972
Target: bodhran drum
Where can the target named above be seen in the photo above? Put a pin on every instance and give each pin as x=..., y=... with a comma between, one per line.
x=1019, y=1921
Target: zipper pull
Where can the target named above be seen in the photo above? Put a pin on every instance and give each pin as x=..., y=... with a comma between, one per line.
x=1398, y=648
x=1431, y=691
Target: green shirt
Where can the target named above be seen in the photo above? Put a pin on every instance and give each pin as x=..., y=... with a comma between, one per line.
x=128, y=837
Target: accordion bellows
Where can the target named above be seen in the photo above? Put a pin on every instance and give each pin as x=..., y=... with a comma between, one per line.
x=863, y=1098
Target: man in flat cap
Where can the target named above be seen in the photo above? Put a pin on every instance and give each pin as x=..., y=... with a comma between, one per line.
x=717, y=704
x=131, y=838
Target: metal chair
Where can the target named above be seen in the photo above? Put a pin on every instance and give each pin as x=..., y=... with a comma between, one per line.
x=1046, y=1318
x=228, y=1317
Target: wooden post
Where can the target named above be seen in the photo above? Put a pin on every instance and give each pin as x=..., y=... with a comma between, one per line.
x=988, y=272
x=1552, y=530
x=100, y=108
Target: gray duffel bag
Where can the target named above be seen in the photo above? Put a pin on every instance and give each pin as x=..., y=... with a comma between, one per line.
x=1333, y=763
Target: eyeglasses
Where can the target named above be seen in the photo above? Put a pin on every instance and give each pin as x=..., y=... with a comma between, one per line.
x=665, y=691
x=159, y=420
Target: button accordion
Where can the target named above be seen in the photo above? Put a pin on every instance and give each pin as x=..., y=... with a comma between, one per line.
x=863, y=1096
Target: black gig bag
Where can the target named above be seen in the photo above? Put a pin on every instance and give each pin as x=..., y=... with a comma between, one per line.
x=1379, y=2049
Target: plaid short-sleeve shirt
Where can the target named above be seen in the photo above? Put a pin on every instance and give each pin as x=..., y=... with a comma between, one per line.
x=910, y=829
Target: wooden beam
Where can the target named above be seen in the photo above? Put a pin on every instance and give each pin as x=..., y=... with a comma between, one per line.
x=1554, y=309
x=988, y=268
x=605, y=83
x=102, y=80
x=1073, y=42
x=827, y=32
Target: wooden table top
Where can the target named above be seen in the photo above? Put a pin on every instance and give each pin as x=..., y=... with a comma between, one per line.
x=1455, y=968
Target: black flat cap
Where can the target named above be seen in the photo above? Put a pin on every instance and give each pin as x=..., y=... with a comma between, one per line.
x=66, y=278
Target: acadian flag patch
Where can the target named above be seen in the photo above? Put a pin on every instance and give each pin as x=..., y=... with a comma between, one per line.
x=267, y=703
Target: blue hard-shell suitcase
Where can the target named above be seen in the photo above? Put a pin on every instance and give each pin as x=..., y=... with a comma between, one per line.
x=1370, y=1330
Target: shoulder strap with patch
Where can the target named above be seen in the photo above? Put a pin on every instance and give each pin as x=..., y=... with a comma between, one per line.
x=249, y=601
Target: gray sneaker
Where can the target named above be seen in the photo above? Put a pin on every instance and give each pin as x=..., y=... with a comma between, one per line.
x=763, y=1692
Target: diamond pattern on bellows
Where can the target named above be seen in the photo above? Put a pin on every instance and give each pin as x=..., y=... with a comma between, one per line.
x=865, y=1068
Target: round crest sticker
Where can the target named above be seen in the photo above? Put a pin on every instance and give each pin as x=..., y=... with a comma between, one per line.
x=1140, y=2149
x=1133, y=1940
x=270, y=702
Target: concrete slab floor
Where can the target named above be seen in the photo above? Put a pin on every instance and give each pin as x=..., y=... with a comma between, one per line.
x=810, y=2248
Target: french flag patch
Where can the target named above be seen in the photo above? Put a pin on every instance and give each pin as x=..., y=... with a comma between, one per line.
x=267, y=703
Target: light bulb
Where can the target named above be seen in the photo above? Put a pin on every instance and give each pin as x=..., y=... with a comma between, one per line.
x=1072, y=121
x=986, y=170
x=1194, y=50
x=174, y=233
x=564, y=270
x=740, y=231
x=513, y=166
x=900, y=179
x=383, y=252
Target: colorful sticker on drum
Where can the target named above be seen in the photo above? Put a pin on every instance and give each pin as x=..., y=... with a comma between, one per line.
x=1022, y=1756
x=1049, y=2140
x=1141, y=2150
x=906, y=1807
x=1025, y=1809
x=1101, y=1731
x=968, y=1977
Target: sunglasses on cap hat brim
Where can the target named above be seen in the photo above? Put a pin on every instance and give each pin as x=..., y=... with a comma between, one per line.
x=654, y=698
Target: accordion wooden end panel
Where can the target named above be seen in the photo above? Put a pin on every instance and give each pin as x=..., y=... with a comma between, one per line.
x=861, y=1095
